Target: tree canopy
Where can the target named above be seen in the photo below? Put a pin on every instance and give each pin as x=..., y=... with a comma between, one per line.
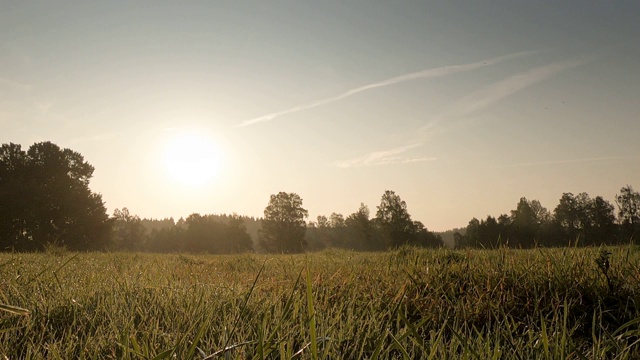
x=396, y=227
x=45, y=199
x=629, y=211
x=394, y=220
x=577, y=220
x=283, y=226
x=128, y=231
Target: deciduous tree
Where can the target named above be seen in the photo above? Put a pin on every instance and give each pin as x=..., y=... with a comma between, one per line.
x=590, y=221
x=360, y=230
x=283, y=226
x=128, y=231
x=628, y=202
x=394, y=220
x=45, y=198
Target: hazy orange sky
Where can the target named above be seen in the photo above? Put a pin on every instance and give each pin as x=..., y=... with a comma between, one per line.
x=211, y=106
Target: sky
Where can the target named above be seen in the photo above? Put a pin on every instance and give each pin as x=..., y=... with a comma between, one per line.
x=209, y=107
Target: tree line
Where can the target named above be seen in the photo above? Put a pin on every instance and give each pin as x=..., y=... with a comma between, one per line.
x=215, y=234
x=391, y=227
x=283, y=229
x=45, y=201
x=577, y=220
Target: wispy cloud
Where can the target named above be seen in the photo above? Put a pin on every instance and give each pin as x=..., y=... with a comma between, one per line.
x=572, y=161
x=423, y=74
x=493, y=93
x=385, y=157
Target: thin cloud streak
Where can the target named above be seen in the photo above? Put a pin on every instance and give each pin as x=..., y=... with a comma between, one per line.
x=384, y=157
x=571, y=161
x=493, y=93
x=500, y=90
x=424, y=74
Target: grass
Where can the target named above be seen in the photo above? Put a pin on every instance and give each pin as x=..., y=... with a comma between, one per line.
x=403, y=304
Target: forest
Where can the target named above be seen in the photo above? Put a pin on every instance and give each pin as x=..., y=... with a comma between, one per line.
x=45, y=201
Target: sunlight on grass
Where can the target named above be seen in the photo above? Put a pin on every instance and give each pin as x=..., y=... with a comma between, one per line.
x=409, y=303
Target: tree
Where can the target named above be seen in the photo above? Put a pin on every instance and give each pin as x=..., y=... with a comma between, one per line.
x=283, y=226
x=628, y=202
x=602, y=227
x=166, y=239
x=128, y=231
x=318, y=234
x=568, y=212
x=524, y=223
x=486, y=234
x=14, y=202
x=360, y=231
x=425, y=238
x=45, y=198
x=580, y=217
x=542, y=215
x=237, y=237
x=459, y=240
x=338, y=229
x=571, y=216
x=394, y=220
x=215, y=234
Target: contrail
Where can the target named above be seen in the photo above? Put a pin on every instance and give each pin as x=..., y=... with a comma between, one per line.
x=493, y=93
x=385, y=157
x=424, y=74
x=496, y=92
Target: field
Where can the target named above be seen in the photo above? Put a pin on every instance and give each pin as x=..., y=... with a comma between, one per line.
x=408, y=303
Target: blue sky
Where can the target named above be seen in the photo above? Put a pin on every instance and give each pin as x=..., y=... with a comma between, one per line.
x=460, y=107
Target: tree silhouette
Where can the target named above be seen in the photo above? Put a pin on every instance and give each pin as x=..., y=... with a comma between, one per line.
x=283, y=226
x=128, y=231
x=394, y=221
x=14, y=199
x=628, y=202
x=602, y=227
x=45, y=198
x=215, y=235
x=582, y=218
x=360, y=230
x=591, y=221
x=526, y=223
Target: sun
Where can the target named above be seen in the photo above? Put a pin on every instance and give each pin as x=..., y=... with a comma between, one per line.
x=192, y=159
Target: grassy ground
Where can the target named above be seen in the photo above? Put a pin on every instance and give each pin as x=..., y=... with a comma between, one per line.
x=409, y=303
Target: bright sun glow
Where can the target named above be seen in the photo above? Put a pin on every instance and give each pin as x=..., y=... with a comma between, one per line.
x=192, y=159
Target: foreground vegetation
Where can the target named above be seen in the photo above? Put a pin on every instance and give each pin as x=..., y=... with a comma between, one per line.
x=409, y=303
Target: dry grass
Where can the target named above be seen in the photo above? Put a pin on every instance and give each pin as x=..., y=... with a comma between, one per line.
x=409, y=303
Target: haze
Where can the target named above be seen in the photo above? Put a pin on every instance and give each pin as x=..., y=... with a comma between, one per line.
x=210, y=107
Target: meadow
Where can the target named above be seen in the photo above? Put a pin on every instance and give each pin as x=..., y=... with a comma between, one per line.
x=566, y=303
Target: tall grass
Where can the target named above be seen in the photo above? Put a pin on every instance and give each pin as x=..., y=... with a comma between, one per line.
x=405, y=304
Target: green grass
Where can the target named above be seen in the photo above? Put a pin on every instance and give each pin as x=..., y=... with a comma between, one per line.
x=404, y=304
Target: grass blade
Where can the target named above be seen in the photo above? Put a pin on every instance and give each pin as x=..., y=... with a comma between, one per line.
x=312, y=318
x=14, y=310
